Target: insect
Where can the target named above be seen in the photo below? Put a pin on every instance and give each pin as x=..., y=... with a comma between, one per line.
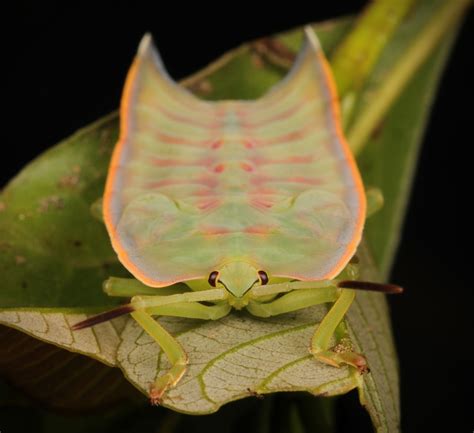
x=254, y=205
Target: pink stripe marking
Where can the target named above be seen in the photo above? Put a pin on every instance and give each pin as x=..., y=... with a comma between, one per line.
x=246, y=166
x=305, y=180
x=259, y=180
x=219, y=168
x=214, y=231
x=280, y=116
x=217, y=143
x=261, y=203
x=170, y=139
x=303, y=159
x=258, y=229
x=208, y=204
x=251, y=142
x=291, y=136
x=207, y=181
x=169, y=162
x=260, y=190
x=188, y=120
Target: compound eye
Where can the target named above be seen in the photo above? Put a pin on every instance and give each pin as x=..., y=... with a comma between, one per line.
x=263, y=277
x=213, y=278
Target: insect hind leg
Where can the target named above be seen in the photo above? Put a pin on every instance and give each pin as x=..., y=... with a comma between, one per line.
x=128, y=287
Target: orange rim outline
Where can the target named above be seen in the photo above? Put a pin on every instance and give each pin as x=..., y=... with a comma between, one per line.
x=360, y=221
x=122, y=254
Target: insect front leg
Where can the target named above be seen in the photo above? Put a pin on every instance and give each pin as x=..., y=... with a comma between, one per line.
x=147, y=304
x=331, y=325
x=183, y=305
x=342, y=352
x=292, y=301
x=173, y=350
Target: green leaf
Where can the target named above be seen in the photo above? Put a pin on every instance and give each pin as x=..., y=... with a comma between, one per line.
x=54, y=255
x=53, y=252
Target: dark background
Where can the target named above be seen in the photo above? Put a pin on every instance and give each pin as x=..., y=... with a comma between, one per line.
x=66, y=69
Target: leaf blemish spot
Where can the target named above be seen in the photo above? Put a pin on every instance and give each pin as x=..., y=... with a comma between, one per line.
x=52, y=202
x=255, y=394
x=257, y=60
x=70, y=180
x=203, y=87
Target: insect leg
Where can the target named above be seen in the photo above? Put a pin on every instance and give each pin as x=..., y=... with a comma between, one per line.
x=173, y=350
x=182, y=305
x=260, y=292
x=293, y=301
x=331, y=325
x=142, y=308
x=192, y=310
x=147, y=302
x=320, y=343
x=96, y=209
x=128, y=287
x=374, y=201
x=143, y=303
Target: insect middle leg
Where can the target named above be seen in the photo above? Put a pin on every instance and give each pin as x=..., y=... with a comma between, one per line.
x=331, y=325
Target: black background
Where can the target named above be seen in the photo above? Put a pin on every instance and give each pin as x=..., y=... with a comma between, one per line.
x=66, y=69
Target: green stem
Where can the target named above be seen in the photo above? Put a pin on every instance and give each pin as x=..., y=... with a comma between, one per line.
x=356, y=56
x=444, y=19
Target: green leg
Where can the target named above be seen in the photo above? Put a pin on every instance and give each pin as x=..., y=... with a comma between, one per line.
x=293, y=301
x=168, y=301
x=173, y=350
x=374, y=200
x=128, y=287
x=342, y=352
x=96, y=209
x=332, y=324
x=173, y=302
x=184, y=305
x=192, y=310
